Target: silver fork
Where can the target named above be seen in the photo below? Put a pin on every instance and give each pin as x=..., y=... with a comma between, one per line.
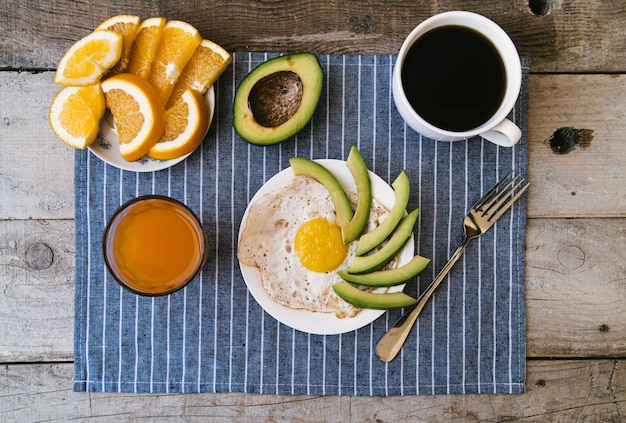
x=479, y=219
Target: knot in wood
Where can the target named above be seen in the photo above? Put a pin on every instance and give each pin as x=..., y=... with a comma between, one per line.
x=540, y=7
x=39, y=256
x=571, y=257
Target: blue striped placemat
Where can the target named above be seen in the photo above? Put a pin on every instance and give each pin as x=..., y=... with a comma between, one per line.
x=213, y=337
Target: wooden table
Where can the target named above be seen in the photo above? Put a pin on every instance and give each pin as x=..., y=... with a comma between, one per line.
x=576, y=238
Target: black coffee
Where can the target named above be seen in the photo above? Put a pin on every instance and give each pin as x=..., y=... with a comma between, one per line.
x=454, y=78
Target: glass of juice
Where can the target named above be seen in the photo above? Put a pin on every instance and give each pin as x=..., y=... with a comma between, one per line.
x=154, y=245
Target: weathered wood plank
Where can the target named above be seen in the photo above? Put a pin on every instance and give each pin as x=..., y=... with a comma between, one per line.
x=574, y=36
x=42, y=188
x=576, y=288
x=36, y=168
x=37, y=286
x=578, y=390
x=567, y=185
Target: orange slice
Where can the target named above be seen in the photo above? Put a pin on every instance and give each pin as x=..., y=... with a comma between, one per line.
x=186, y=123
x=178, y=42
x=207, y=63
x=75, y=114
x=87, y=60
x=126, y=26
x=144, y=47
x=137, y=112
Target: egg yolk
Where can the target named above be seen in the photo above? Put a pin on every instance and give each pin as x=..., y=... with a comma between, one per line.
x=319, y=245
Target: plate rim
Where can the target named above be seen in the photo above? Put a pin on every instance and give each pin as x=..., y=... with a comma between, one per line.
x=308, y=321
x=108, y=134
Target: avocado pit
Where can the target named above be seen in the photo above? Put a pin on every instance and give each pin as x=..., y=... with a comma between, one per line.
x=276, y=98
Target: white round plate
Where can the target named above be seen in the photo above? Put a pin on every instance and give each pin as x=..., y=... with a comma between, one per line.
x=304, y=320
x=106, y=146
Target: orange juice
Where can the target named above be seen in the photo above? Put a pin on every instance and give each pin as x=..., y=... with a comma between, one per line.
x=154, y=245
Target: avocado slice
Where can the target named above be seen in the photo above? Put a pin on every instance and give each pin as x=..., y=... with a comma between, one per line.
x=365, y=299
x=304, y=166
x=378, y=259
x=373, y=239
x=354, y=228
x=389, y=277
x=277, y=99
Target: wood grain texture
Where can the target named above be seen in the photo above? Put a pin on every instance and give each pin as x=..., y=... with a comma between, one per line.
x=575, y=36
x=42, y=188
x=36, y=177
x=567, y=185
x=575, y=272
x=558, y=391
x=576, y=289
x=37, y=301
x=586, y=182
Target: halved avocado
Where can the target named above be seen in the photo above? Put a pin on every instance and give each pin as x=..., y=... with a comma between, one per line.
x=380, y=258
x=343, y=208
x=354, y=228
x=389, y=277
x=365, y=299
x=277, y=99
x=373, y=239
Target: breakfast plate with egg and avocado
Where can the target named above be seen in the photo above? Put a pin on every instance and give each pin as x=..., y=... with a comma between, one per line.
x=325, y=246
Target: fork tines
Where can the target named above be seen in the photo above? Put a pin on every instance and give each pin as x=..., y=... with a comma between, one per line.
x=501, y=196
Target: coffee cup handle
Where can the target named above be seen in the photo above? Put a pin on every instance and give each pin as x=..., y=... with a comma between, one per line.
x=506, y=134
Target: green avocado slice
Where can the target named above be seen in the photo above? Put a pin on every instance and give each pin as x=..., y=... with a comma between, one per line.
x=364, y=299
x=354, y=228
x=304, y=166
x=378, y=259
x=278, y=98
x=373, y=239
x=389, y=277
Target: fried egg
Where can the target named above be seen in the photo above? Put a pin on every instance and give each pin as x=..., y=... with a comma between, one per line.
x=291, y=237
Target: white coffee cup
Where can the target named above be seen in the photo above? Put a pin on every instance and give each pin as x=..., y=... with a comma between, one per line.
x=496, y=128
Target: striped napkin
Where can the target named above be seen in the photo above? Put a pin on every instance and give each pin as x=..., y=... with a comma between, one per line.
x=212, y=336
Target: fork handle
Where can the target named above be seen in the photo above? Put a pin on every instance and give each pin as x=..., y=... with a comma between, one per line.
x=391, y=343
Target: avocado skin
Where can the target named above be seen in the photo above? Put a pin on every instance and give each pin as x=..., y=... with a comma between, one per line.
x=390, y=277
x=353, y=229
x=371, y=240
x=308, y=167
x=310, y=72
x=364, y=299
x=380, y=258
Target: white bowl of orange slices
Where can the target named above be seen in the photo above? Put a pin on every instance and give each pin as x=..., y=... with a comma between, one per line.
x=145, y=86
